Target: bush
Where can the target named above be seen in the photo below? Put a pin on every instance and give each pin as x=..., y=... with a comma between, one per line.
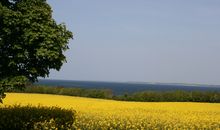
x=29, y=117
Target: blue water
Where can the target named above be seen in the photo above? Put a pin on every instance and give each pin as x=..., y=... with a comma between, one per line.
x=121, y=88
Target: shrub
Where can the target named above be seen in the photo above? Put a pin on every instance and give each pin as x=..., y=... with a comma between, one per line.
x=29, y=117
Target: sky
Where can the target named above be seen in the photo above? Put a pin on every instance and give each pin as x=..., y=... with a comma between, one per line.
x=166, y=41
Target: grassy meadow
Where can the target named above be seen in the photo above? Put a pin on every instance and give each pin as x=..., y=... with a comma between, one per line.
x=108, y=114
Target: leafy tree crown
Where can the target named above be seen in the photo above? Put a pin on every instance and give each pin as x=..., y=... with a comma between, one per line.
x=31, y=42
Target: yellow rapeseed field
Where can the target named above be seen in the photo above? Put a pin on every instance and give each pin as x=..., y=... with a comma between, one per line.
x=108, y=114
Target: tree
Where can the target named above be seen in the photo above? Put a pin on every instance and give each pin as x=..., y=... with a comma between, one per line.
x=31, y=42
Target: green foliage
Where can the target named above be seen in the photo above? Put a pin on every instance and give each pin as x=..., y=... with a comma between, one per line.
x=10, y=83
x=31, y=42
x=93, y=93
x=172, y=96
x=145, y=96
x=30, y=117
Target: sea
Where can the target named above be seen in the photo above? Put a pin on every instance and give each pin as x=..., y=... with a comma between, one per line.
x=119, y=88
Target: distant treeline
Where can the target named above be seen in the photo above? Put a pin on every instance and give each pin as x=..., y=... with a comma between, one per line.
x=93, y=93
x=172, y=96
x=145, y=96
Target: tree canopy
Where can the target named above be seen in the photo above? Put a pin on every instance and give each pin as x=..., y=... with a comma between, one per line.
x=31, y=42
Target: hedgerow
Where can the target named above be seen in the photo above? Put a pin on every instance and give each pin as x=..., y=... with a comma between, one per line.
x=18, y=117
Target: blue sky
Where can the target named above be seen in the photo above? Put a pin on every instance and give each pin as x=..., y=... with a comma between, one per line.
x=170, y=41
